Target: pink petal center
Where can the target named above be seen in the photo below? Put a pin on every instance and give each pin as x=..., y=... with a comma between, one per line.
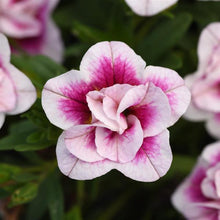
x=112, y=105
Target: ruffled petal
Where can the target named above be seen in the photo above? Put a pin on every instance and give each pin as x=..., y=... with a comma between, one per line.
x=208, y=42
x=76, y=168
x=20, y=26
x=95, y=104
x=8, y=96
x=213, y=125
x=120, y=148
x=193, y=112
x=152, y=160
x=209, y=189
x=150, y=7
x=5, y=51
x=153, y=111
x=53, y=4
x=174, y=87
x=80, y=141
x=211, y=153
x=52, y=44
x=64, y=100
x=26, y=92
x=109, y=63
x=2, y=119
x=206, y=95
x=188, y=197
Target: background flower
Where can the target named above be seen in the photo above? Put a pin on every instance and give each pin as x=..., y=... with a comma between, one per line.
x=115, y=113
x=16, y=90
x=205, y=82
x=198, y=196
x=149, y=7
x=29, y=24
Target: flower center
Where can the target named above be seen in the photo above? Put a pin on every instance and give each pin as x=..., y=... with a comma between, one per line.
x=111, y=106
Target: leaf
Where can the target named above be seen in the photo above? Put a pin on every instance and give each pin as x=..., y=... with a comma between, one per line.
x=181, y=164
x=23, y=194
x=55, y=199
x=172, y=61
x=24, y=177
x=40, y=202
x=50, y=197
x=88, y=34
x=164, y=37
x=7, y=171
x=18, y=133
x=35, y=137
x=4, y=193
x=74, y=214
x=33, y=147
x=203, y=12
x=38, y=68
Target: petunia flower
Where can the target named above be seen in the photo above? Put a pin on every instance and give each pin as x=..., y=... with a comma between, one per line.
x=199, y=194
x=17, y=93
x=29, y=24
x=205, y=82
x=115, y=112
x=149, y=7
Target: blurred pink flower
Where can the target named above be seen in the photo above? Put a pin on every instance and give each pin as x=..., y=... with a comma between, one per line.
x=115, y=112
x=205, y=82
x=17, y=93
x=198, y=196
x=29, y=24
x=149, y=7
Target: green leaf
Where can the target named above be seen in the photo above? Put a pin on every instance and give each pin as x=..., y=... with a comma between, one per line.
x=33, y=147
x=24, y=177
x=38, y=68
x=172, y=61
x=74, y=214
x=23, y=194
x=50, y=197
x=164, y=37
x=18, y=132
x=182, y=164
x=4, y=193
x=7, y=171
x=203, y=12
x=88, y=34
x=35, y=137
x=55, y=198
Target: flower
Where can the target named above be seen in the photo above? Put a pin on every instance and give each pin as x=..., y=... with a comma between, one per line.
x=29, y=24
x=16, y=91
x=149, y=7
x=114, y=113
x=205, y=82
x=198, y=196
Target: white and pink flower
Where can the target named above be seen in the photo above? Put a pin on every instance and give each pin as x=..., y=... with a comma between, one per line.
x=115, y=112
x=17, y=93
x=205, y=82
x=149, y=7
x=29, y=24
x=199, y=195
